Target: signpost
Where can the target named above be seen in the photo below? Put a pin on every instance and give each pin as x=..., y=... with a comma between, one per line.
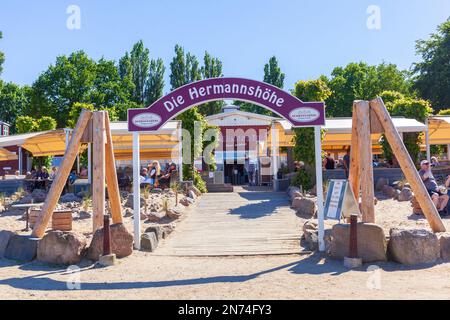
x=297, y=112
x=340, y=201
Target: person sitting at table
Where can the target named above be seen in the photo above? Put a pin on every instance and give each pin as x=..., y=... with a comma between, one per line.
x=439, y=199
x=84, y=172
x=42, y=177
x=53, y=173
x=168, y=175
x=72, y=177
x=144, y=175
x=33, y=173
x=154, y=174
x=447, y=185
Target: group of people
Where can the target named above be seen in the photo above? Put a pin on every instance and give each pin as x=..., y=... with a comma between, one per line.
x=439, y=197
x=156, y=177
x=40, y=178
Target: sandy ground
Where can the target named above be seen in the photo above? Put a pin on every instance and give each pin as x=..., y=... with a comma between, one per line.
x=148, y=276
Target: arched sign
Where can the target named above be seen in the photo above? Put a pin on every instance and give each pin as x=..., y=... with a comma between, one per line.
x=299, y=113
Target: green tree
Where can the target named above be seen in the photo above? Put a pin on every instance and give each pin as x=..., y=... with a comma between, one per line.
x=432, y=74
x=140, y=63
x=25, y=124
x=212, y=68
x=76, y=79
x=184, y=69
x=360, y=81
x=14, y=101
x=312, y=90
x=155, y=82
x=273, y=76
x=46, y=123
x=2, y=56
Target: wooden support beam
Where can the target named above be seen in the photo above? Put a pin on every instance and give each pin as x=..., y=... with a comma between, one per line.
x=111, y=176
x=362, y=114
x=407, y=165
x=353, y=176
x=98, y=181
x=61, y=177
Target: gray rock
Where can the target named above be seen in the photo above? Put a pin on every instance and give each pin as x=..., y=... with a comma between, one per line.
x=168, y=229
x=413, y=246
x=444, y=243
x=155, y=216
x=405, y=195
x=60, y=247
x=149, y=241
x=371, y=242
x=381, y=182
x=21, y=248
x=39, y=195
x=157, y=230
x=389, y=191
x=127, y=212
x=296, y=202
x=195, y=190
x=311, y=235
x=306, y=207
x=191, y=194
x=129, y=202
x=84, y=215
x=69, y=197
x=292, y=190
x=121, y=242
x=174, y=213
x=5, y=236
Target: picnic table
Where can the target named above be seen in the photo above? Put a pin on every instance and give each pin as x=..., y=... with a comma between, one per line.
x=28, y=206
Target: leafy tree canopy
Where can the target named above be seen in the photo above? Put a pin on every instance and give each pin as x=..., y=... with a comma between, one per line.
x=432, y=74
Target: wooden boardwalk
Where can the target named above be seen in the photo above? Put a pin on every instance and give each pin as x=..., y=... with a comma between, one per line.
x=244, y=222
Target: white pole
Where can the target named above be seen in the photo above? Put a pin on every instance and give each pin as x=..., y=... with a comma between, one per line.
x=448, y=152
x=427, y=140
x=78, y=163
x=20, y=160
x=67, y=137
x=180, y=152
x=274, y=152
x=136, y=191
x=319, y=187
x=89, y=163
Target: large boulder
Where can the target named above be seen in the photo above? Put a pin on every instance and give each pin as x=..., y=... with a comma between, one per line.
x=296, y=202
x=311, y=235
x=121, y=242
x=192, y=195
x=371, y=242
x=61, y=247
x=292, y=190
x=157, y=230
x=149, y=241
x=381, y=182
x=413, y=246
x=194, y=189
x=38, y=195
x=174, y=213
x=306, y=207
x=155, y=216
x=69, y=197
x=444, y=243
x=389, y=191
x=21, y=248
x=405, y=195
x=129, y=202
x=296, y=194
x=5, y=236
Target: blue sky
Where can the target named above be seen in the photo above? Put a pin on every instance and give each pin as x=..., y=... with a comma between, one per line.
x=309, y=38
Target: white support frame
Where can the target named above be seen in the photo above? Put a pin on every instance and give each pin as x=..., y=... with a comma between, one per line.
x=89, y=163
x=20, y=161
x=427, y=141
x=274, y=153
x=136, y=191
x=319, y=186
x=180, y=153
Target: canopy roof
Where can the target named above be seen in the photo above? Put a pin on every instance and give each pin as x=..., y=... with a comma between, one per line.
x=337, y=136
x=439, y=129
x=162, y=143
x=7, y=155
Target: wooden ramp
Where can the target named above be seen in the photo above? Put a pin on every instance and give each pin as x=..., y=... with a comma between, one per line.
x=245, y=222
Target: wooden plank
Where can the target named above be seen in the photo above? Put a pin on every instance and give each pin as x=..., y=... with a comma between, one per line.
x=111, y=176
x=61, y=177
x=407, y=165
x=362, y=113
x=353, y=176
x=87, y=135
x=98, y=169
x=375, y=124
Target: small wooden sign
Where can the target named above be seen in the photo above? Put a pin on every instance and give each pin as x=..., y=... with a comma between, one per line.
x=340, y=201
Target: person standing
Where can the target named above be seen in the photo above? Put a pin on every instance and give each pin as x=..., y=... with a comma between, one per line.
x=328, y=162
x=347, y=163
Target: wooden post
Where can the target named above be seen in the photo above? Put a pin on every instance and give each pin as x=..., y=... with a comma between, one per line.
x=98, y=181
x=353, y=245
x=362, y=114
x=111, y=176
x=62, y=175
x=353, y=176
x=407, y=165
